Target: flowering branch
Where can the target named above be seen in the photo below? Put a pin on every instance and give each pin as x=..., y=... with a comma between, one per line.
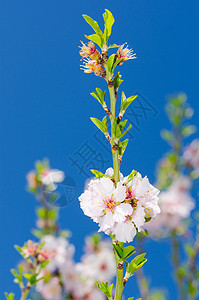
x=115, y=202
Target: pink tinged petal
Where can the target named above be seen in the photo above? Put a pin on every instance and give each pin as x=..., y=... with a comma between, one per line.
x=124, y=232
x=122, y=211
x=120, y=192
x=106, y=222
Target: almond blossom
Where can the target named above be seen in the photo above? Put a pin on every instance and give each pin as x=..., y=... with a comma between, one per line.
x=176, y=205
x=191, y=155
x=123, y=209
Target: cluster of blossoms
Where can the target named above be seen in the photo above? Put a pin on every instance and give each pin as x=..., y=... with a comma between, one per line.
x=37, y=251
x=191, y=155
x=62, y=276
x=44, y=177
x=120, y=210
x=93, y=60
x=176, y=205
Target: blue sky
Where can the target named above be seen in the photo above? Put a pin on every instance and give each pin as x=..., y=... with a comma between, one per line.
x=45, y=102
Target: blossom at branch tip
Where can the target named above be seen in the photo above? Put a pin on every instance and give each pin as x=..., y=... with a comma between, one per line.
x=125, y=54
x=93, y=66
x=89, y=51
x=120, y=210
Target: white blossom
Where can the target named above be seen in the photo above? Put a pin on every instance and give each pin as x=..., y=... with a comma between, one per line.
x=176, y=205
x=120, y=209
x=191, y=155
x=50, y=177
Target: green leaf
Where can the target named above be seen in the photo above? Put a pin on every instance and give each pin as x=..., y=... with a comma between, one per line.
x=19, y=249
x=52, y=214
x=9, y=296
x=99, y=95
x=125, y=103
x=95, y=38
x=107, y=290
x=99, y=124
x=118, y=250
x=93, y=24
x=109, y=21
x=128, y=251
x=41, y=212
x=188, y=130
x=110, y=62
x=117, y=81
x=31, y=278
x=124, y=145
x=97, y=173
x=122, y=124
x=116, y=63
x=131, y=175
x=136, y=263
x=113, y=46
x=167, y=135
x=116, y=129
x=123, y=134
x=131, y=298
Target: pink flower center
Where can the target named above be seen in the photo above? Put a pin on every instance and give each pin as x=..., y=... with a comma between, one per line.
x=130, y=193
x=109, y=204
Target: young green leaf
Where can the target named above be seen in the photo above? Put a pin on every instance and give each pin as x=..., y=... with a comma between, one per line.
x=118, y=250
x=122, y=124
x=113, y=46
x=95, y=38
x=97, y=173
x=107, y=290
x=116, y=129
x=124, y=145
x=93, y=24
x=110, y=62
x=99, y=95
x=117, y=81
x=109, y=21
x=99, y=124
x=128, y=251
x=9, y=296
x=123, y=134
x=125, y=103
x=116, y=63
x=136, y=263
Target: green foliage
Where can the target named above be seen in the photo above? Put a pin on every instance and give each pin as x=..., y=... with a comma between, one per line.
x=117, y=81
x=108, y=22
x=97, y=173
x=136, y=263
x=122, y=147
x=125, y=102
x=9, y=296
x=110, y=63
x=102, y=125
x=105, y=288
x=95, y=27
x=95, y=38
x=99, y=95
